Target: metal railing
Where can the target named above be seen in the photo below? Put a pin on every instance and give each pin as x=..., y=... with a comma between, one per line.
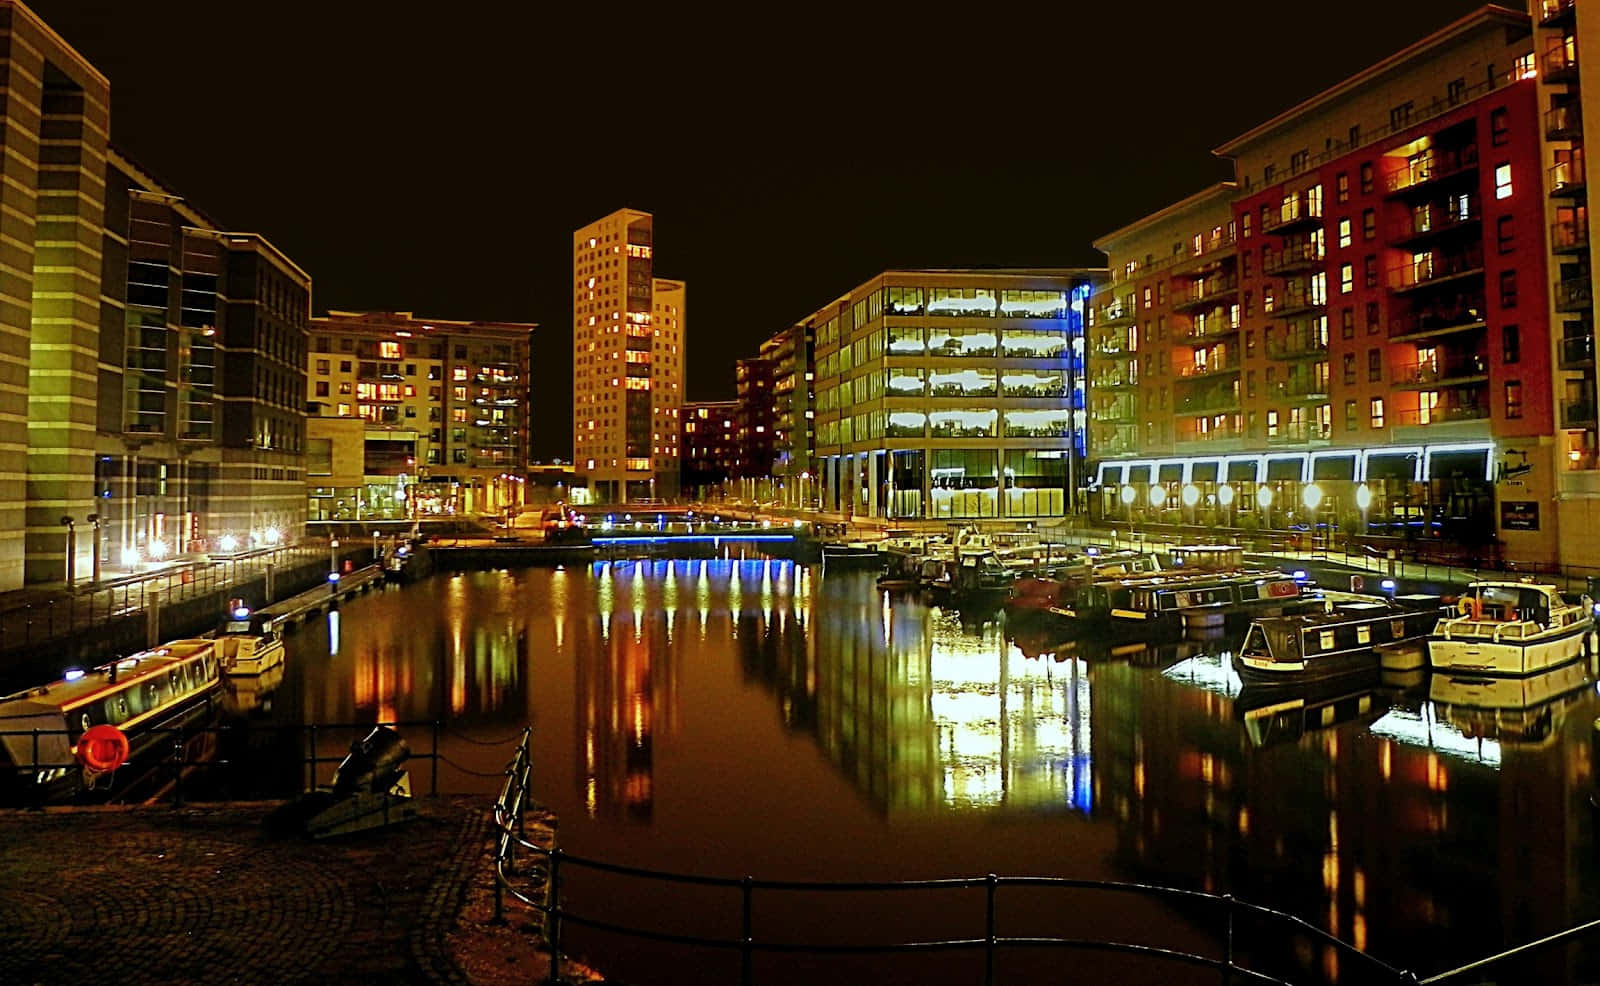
x=1229, y=915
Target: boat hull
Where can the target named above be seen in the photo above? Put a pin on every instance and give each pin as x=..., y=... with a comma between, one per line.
x=1479, y=655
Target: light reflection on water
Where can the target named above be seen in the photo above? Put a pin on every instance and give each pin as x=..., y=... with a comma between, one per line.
x=736, y=716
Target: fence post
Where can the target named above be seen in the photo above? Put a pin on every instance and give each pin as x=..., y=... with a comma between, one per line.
x=434, y=763
x=746, y=972
x=1227, y=941
x=990, y=883
x=312, y=760
x=553, y=917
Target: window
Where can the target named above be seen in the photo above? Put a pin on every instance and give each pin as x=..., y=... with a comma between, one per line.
x=344, y=410
x=1344, y=232
x=1268, y=172
x=1350, y=368
x=1347, y=323
x=1505, y=233
x=322, y=388
x=1347, y=278
x=1249, y=342
x=1375, y=365
x=1508, y=289
x=1351, y=419
x=389, y=350
x=1523, y=67
x=1272, y=424
x=1372, y=318
x=1400, y=116
x=1499, y=127
x=1513, y=398
x=1454, y=92
x=1502, y=181
x=1244, y=225
x=1369, y=225
x=1511, y=344
x=1366, y=178
x=1370, y=271
x=322, y=367
x=1341, y=187
x=1355, y=135
x=1250, y=384
x=1377, y=412
x=344, y=366
x=1298, y=161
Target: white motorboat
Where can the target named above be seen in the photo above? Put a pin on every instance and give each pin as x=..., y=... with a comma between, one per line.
x=249, y=644
x=1511, y=628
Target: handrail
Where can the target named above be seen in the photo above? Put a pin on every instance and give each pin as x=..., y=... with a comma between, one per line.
x=1508, y=953
x=511, y=805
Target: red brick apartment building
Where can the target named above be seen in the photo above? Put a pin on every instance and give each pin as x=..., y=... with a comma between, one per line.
x=1384, y=324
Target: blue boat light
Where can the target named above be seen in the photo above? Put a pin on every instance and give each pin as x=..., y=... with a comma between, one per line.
x=333, y=577
x=1091, y=552
x=1300, y=575
x=671, y=538
x=241, y=613
x=1388, y=585
x=73, y=674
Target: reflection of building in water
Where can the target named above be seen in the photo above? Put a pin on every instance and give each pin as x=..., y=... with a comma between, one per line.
x=1419, y=838
x=923, y=717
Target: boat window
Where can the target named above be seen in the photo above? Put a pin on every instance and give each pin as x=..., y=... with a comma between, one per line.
x=172, y=681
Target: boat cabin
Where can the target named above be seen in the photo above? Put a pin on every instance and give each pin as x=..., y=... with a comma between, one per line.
x=1510, y=602
x=1207, y=557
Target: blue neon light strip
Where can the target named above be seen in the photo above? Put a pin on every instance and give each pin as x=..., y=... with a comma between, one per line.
x=664, y=538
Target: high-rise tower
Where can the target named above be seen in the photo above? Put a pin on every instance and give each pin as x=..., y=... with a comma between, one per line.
x=627, y=362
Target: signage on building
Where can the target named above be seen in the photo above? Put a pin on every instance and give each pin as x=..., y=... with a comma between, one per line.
x=1519, y=515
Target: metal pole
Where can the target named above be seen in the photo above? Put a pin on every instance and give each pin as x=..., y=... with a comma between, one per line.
x=990, y=884
x=1227, y=945
x=434, y=762
x=746, y=974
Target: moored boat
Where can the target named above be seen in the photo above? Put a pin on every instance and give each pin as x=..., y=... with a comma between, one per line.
x=1340, y=640
x=145, y=696
x=249, y=644
x=851, y=556
x=1511, y=628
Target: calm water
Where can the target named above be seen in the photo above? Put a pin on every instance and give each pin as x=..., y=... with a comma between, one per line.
x=751, y=716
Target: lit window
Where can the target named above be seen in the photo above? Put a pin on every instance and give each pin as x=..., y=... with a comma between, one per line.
x=389, y=350
x=1344, y=232
x=1377, y=412
x=1347, y=278
x=344, y=410
x=1502, y=181
x=459, y=373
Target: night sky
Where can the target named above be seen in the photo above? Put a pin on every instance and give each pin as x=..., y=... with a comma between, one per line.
x=435, y=158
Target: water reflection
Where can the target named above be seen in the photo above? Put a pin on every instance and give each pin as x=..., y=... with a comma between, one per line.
x=747, y=715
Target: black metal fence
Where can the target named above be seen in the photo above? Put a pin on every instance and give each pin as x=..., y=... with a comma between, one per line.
x=1231, y=918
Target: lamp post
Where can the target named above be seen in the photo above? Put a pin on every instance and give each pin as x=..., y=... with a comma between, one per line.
x=1191, y=496
x=72, y=550
x=95, y=520
x=1311, y=496
x=1264, y=501
x=1225, y=499
x=1363, y=503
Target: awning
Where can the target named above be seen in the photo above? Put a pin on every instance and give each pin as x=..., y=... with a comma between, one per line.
x=1243, y=471
x=1286, y=469
x=1391, y=465
x=1334, y=467
x=1171, y=472
x=1472, y=464
x=1203, y=472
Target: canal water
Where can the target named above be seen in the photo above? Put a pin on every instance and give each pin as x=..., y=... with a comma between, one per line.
x=749, y=716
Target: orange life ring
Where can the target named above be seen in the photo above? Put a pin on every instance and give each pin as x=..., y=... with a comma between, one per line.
x=102, y=748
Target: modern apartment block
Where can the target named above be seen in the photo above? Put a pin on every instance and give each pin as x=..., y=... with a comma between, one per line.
x=709, y=445
x=199, y=419
x=952, y=394
x=794, y=397
x=55, y=122
x=415, y=417
x=1361, y=331
x=627, y=361
x=758, y=415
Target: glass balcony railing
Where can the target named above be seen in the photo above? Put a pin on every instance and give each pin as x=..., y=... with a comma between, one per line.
x=1297, y=345
x=1574, y=294
x=1555, y=13
x=1300, y=211
x=1569, y=236
x=1432, y=167
x=1211, y=291
x=1577, y=352
x=1561, y=62
x=1209, y=368
x=1470, y=368
x=1567, y=177
x=1435, y=268
x=1292, y=259
x=1299, y=433
x=1441, y=414
x=1564, y=122
x=1578, y=414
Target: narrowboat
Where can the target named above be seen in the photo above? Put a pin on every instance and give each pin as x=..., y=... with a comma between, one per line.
x=1511, y=628
x=851, y=556
x=145, y=695
x=1338, y=641
x=1272, y=716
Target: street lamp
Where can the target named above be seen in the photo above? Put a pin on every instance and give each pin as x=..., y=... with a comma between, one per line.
x=1191, y=496
x=72, y=549
x=95, y=520
x=1311, y=496
x=1225, y=499
x=1363, y=502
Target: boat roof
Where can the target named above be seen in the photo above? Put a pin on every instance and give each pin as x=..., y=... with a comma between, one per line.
x=64, y=694
x=1545, y=587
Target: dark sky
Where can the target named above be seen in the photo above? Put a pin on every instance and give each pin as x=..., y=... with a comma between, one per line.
x=435, y=158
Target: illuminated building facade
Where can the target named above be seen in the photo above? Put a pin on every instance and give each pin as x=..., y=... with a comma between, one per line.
x=199, y=422
x=443, y=408
x=1365, y=331
x=55, y=122
x=709, y=444
x=952, y=394
x=627, y=362
x=794, y=399
x=757, y=417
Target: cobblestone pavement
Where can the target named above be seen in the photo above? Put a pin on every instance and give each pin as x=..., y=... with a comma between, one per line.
x=202, y=895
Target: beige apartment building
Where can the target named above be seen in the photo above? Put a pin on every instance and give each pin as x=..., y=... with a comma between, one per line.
x=627, y=363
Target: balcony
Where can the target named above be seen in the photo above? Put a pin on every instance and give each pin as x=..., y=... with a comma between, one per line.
x=1451, y=372
x=1205, y=294
x=1212, y=253
x=1298, y=345
x=1294, y=303
x=1116, y=313
x=1577, y=414
x=1439, y=321
x=1300, y=433
x=1564, y=122
x=1561, y=63
x=1209, y=330
x=1556, y=13
x=1574, y=294
x=1110, y=381
x=1116, y=445
x=1436, y=269
x=1211, y=368
x=1299, y=387
x=1212, y=438
x=1223, y=398
x=1569, y=236
x=1121, y=411
x=1422, y=417
x=1295, y=258
x=1434, y=221
x=1297, y=213
x=1577, y=352
x=1430, y=170
x=1567, y=178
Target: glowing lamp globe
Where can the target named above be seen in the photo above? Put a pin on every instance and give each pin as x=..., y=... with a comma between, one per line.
x=1225, y=495
x=1191, y=495
x=1264, y=496
x=1311, y=496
